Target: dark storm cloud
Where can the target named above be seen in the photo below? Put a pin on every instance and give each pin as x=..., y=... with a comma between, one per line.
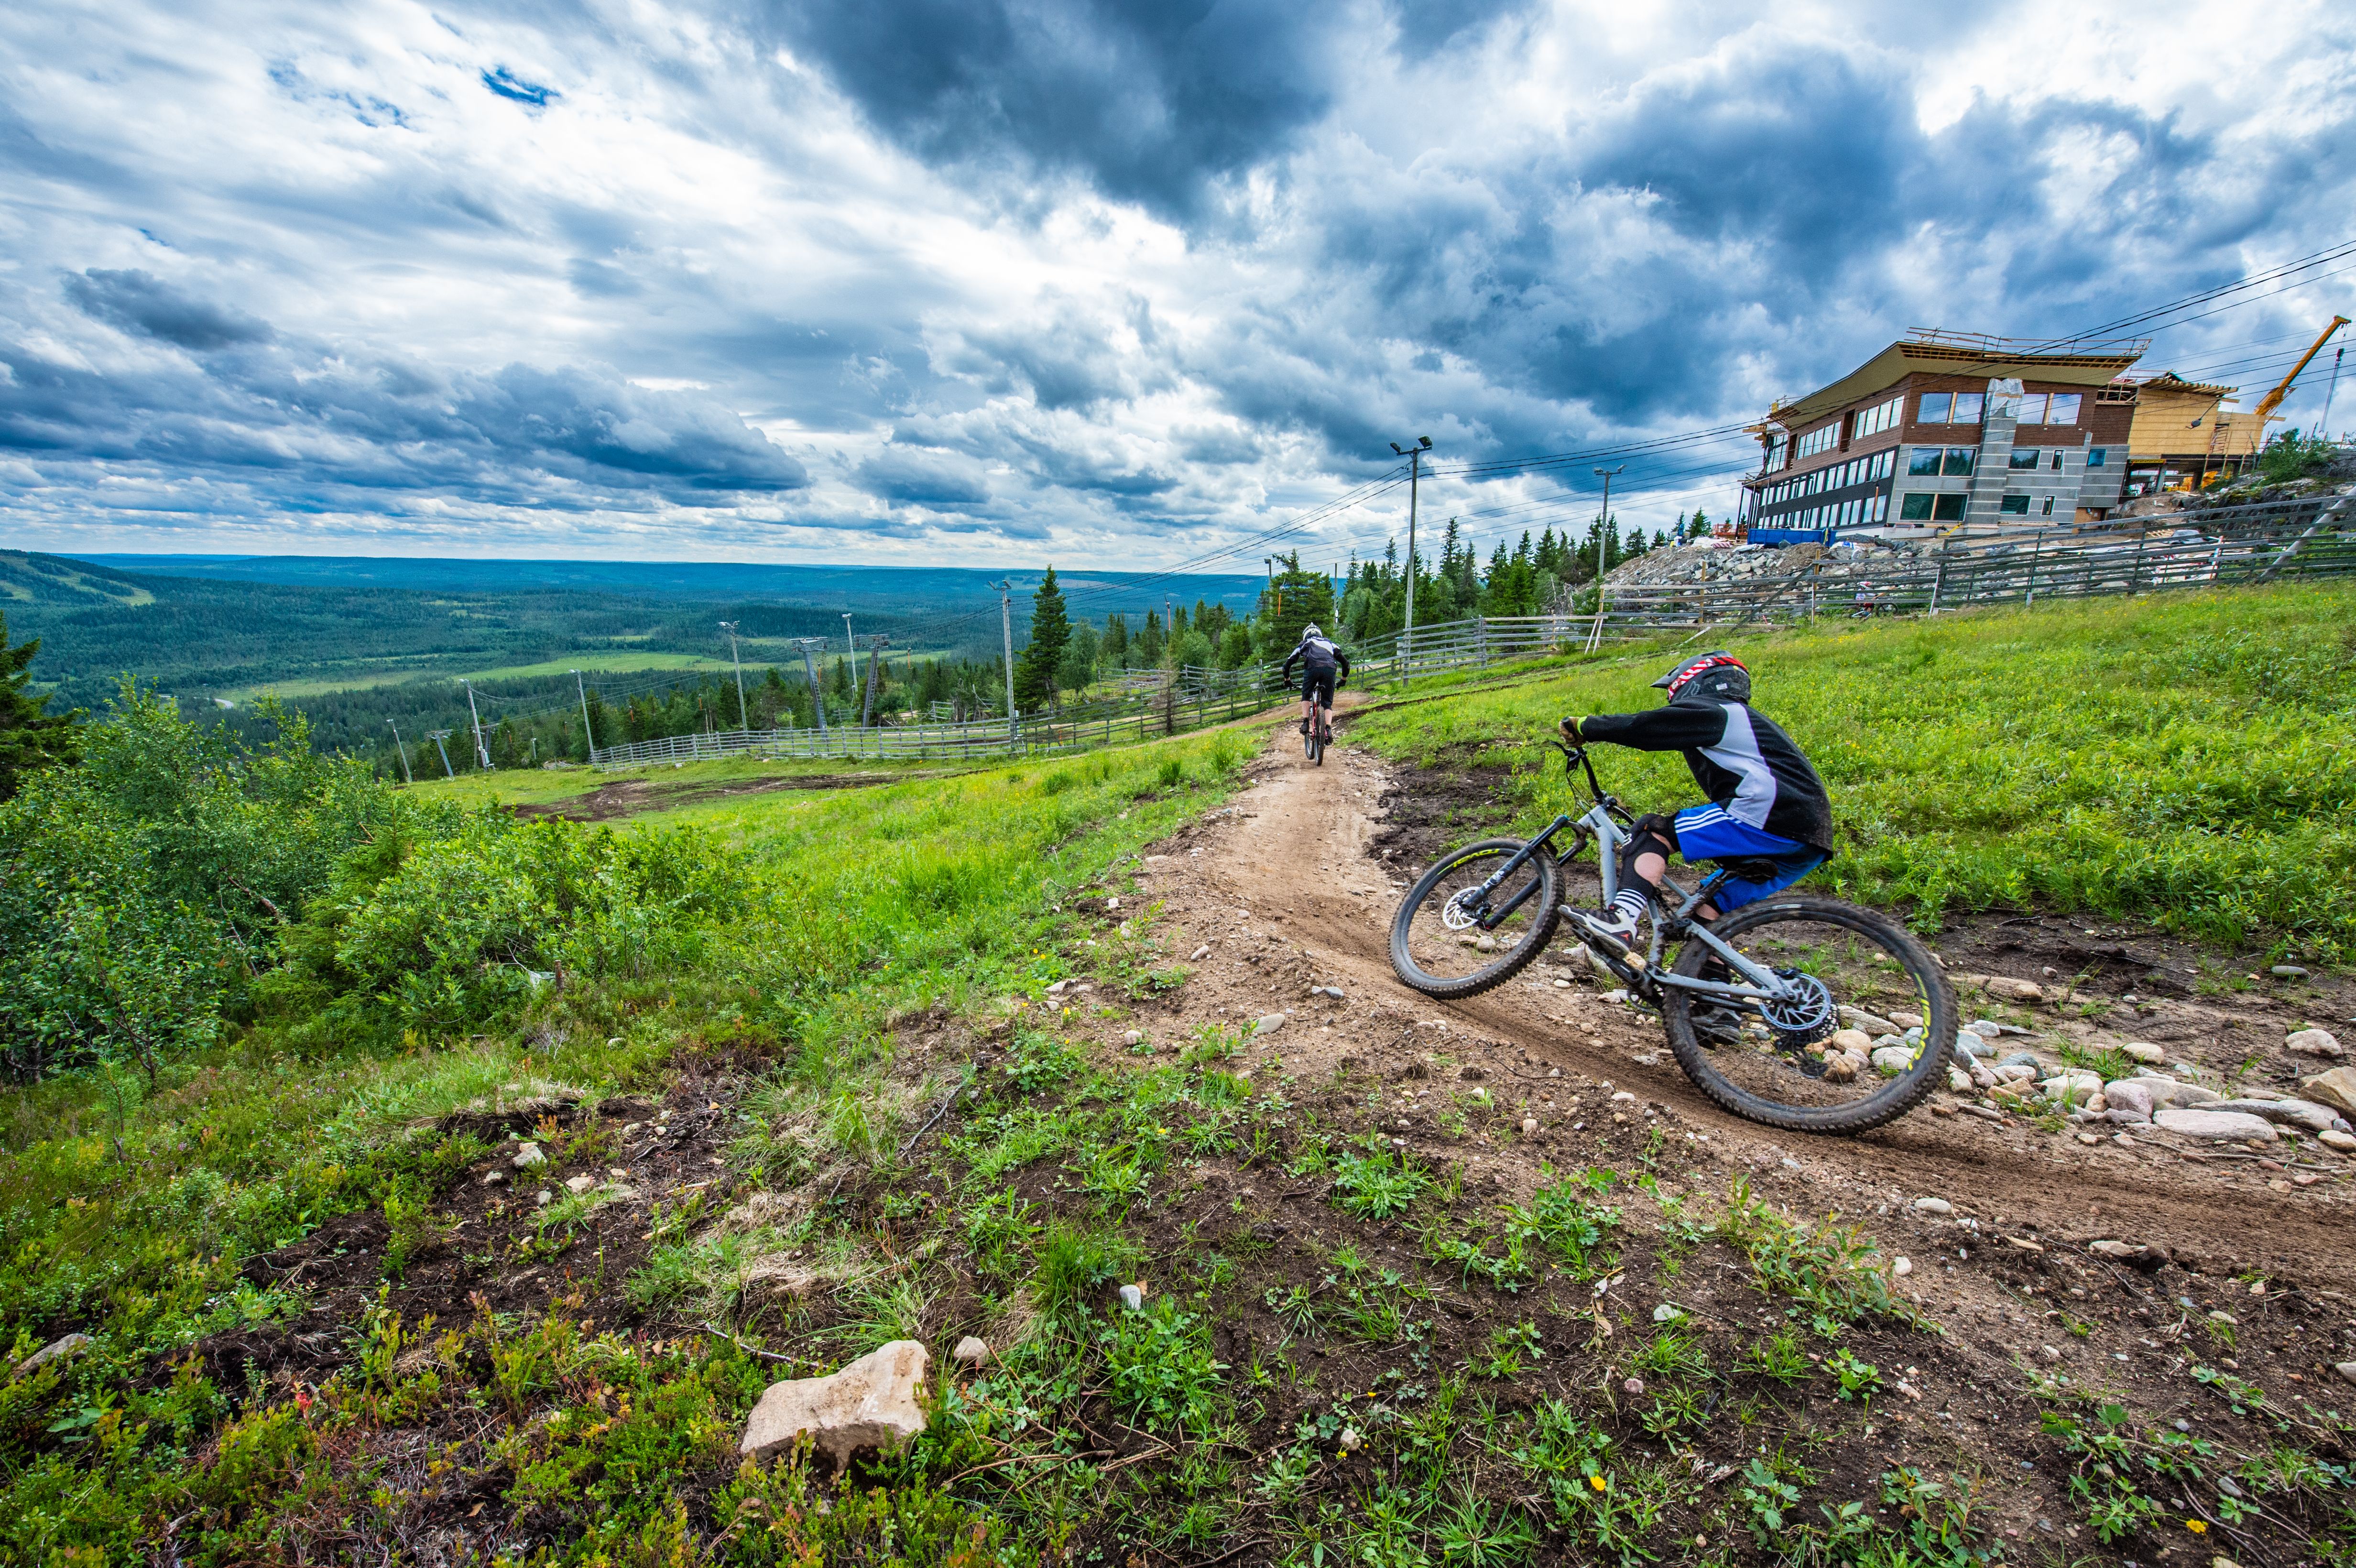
x=1150, y=101
x=138, y=301
x=901, y=472
x=285, y=408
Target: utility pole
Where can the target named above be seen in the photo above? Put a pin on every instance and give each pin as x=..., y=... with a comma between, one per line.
x=1603, y=561
x=588, y=736
x=2323, y=425
x=407, y=777
x=482, y=750
x=437, y=737
x=1413, y=456
x=854, y=650
x=809, y=647
x=742, y=722
x=1006, y=630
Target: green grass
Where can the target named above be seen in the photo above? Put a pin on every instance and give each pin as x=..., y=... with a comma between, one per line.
x=2187, y=759
x=594, y=662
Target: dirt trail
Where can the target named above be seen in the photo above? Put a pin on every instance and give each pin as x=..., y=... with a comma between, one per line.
x=1290, y=872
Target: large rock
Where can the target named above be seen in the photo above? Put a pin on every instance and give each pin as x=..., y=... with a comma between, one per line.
x=2314, y=1043
x=2336, y=1088
x=871, y=1403
x=2166, y=1091
x=63, y=1349
x=2223, y=1126
x=2303, y=1114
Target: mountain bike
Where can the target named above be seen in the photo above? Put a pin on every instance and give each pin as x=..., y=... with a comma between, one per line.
x=1320, y=735
x=1751, y=1000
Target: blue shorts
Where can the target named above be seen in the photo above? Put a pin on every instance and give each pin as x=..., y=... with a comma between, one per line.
x=1708, y=832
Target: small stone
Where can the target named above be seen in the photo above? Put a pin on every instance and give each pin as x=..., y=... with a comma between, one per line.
x=2016, y=990
x=2023, y=1059
x=1868, y=1024
x=60, y=1350
x=1056, y=987
x=580, y=1184
x=1970, y=1045
x=1958, y=1081
x=2216, y=1126
x=972, y=1352
x=1902, y=1268
x=2048, y=1354
x=495, y=1179
x=529, y=1155
x=2130, y=1096
x=1268, y=1023
x=1907, y=1020
x=1199, y=954
x=1530, y=1127
x=2303, y=1114
x=1666, y=1313
x=2143, y=1051
x=1134, y=1037
x=1892, y=1060
x=1988, y=1030
x=871, y=1403
x=2346, y=1369
x=2116, y=1251
x=1841, y=1069
x=1633, y=1387
x=2336, y=1140
x=1133, y=1297
x=2288, y=972
x=1352, y=1440
x=1849, y=1039
x=544, y=1197
x=1934, y=1206
x=2314, y=1043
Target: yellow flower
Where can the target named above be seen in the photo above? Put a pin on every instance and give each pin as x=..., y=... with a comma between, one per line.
x=1598, y=1482
x=2196, y=1526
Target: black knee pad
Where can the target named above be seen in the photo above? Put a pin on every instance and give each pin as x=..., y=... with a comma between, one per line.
x=1651, y=834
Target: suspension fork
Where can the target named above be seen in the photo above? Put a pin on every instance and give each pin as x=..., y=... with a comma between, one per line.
x=1479, y=896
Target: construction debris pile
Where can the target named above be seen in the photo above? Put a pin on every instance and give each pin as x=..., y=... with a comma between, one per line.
x=1724, y=561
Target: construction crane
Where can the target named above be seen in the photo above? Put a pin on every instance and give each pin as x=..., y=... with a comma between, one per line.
x=2273, y=400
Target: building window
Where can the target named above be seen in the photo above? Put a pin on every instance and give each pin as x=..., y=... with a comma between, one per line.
x=2096, y=457
x=1821, y=439
x=1880, y=417
x=1953, y=407
x=1950, y=508
x=2057, y=460
x=2063, y=409
x=1959, y=461
x=2047, y=509
x=2026, y=457
x=1777, y=449
x=1881, y=509
x=1936, y=406
x=1967, y=407
x=1884, y=462
x=2014, y=506
x=1915, y=506
x=1922, y=460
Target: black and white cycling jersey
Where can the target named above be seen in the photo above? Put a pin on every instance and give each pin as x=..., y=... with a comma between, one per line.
x=1741, y=759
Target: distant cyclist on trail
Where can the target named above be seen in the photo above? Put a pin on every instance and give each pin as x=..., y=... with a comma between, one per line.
x=1318, y=659
x=1768, y=819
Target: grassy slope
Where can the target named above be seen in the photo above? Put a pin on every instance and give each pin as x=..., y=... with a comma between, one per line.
x=2186, y=758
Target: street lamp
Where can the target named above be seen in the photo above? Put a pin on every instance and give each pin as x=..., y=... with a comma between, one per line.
x=1414, y=454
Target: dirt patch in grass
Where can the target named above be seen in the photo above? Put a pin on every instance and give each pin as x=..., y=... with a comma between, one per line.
x=636, y=797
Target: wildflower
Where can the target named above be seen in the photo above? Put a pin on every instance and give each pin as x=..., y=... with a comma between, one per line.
x=2197, y=1526
x=1598, y=1482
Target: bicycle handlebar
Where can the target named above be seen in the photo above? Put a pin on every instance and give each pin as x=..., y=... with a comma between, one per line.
x=1576, y=757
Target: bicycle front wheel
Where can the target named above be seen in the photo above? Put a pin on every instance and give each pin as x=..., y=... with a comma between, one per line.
x=1439, y=943
x=1868, y=1033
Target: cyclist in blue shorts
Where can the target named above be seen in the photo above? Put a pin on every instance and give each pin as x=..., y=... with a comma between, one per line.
x=1768, y=819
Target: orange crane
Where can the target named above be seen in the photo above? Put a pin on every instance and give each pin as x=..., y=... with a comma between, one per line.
x=2273, y=400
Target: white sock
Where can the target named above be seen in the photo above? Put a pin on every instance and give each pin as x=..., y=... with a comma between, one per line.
x=1632, y=902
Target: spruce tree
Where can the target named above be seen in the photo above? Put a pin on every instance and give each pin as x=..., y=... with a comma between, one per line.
x=31, y=736
x=1034, y=670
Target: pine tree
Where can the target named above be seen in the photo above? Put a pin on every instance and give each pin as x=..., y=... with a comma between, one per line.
x=1035, y=669
x=31, y=736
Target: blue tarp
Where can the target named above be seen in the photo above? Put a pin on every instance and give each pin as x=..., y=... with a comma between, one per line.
x=1791, y=536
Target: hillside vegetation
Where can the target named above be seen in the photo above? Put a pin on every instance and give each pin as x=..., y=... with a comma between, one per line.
x=274, y=1021
x=2189, y=761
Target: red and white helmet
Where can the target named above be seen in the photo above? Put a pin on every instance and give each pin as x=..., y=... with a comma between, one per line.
x=1721, y=675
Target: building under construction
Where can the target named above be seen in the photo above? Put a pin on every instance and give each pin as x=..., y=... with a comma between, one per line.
x=1947, y=430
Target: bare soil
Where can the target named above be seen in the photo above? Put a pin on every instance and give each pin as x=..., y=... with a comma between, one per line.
x=636, y=797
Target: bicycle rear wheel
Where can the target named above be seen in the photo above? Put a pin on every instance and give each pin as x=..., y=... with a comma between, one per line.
x=1437, y=944
x=1869, y=1037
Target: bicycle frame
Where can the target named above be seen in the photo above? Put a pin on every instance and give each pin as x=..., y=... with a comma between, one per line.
x=1599, y=824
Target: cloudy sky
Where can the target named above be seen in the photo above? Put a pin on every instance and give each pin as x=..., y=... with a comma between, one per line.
x=1007, y=281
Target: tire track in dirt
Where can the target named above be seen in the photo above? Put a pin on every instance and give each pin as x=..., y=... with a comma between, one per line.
x=1293, y=859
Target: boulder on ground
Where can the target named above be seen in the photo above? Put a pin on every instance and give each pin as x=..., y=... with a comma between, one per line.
x=2314, y=1043
x=2336, y=1088
x=63, y=1349
x=2305, y=1115
x=871, y=1403
x=2132, y=1095
x=2219, y=1127
x=972, y=1352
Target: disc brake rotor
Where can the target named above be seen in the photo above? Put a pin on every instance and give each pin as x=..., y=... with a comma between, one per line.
x=1456, y=915
x=1805, y=1010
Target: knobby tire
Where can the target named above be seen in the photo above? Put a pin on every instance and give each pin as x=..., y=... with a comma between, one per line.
x=1510, y=962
